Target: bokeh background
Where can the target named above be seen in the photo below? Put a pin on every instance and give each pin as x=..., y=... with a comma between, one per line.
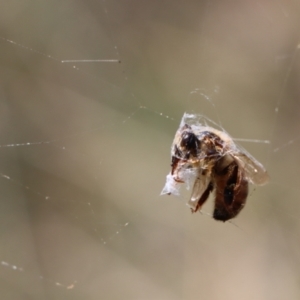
x=85, y=148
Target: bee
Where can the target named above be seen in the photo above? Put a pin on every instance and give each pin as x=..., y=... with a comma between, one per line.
x=214, y=164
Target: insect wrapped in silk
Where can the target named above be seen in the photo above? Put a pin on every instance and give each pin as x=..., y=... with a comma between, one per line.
x=210, y=160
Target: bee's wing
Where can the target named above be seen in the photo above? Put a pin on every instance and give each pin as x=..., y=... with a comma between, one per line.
x=254, y=170
x=201, y=190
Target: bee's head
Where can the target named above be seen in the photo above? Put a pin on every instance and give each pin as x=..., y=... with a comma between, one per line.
x=189, y=143
x=186, y=147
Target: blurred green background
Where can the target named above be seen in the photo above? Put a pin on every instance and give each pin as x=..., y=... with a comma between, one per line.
x=85, y=148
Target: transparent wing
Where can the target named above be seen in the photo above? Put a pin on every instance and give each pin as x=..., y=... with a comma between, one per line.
x=254, y=170
x=200, y=191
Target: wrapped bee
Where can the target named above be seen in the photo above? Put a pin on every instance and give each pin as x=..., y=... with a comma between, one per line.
x=210, y=160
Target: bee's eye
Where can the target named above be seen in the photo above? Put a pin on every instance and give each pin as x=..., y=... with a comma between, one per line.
x=190, y=142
